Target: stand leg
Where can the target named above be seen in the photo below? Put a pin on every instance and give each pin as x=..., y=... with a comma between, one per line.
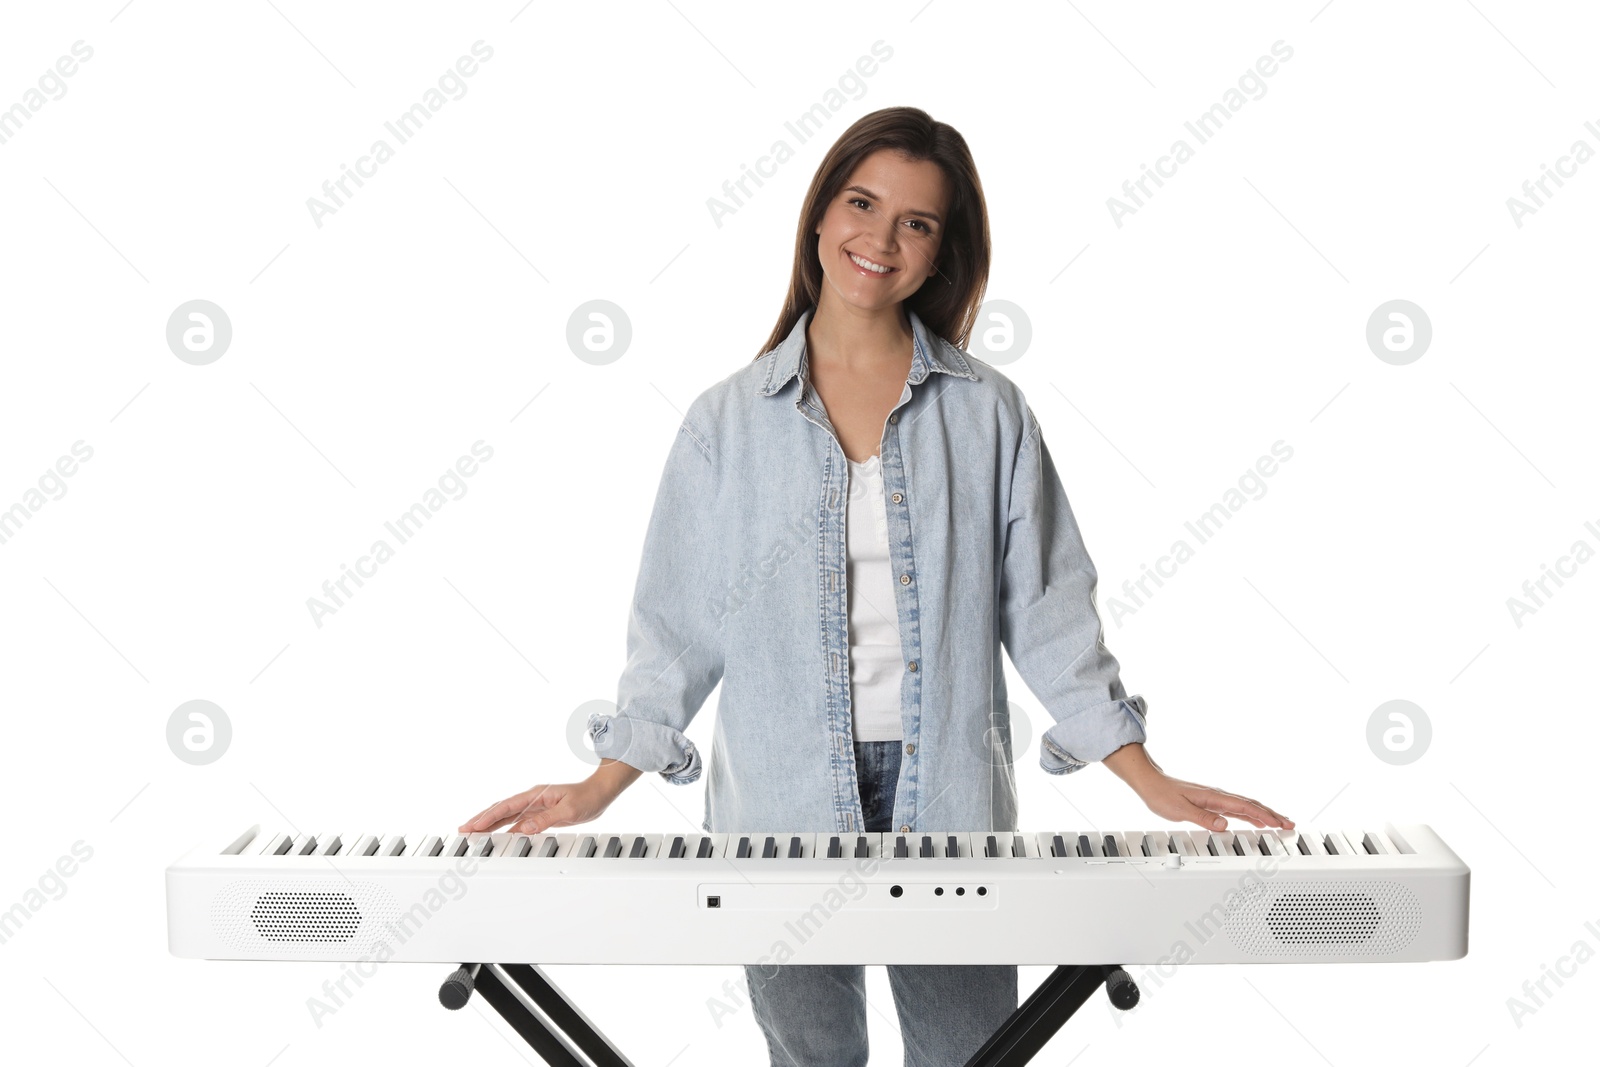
x=1014, y=1044
x=558, y=1040
x=564, y=1014
x=1033, y=1024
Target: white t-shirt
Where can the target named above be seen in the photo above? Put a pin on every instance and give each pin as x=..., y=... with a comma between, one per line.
x=876, y=661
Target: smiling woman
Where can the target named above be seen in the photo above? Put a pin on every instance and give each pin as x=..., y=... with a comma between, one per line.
x=911, y=492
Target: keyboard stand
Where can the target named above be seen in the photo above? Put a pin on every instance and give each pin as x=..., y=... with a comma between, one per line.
x=560, y=1033
x=1033, y=1024
x=537, y=1010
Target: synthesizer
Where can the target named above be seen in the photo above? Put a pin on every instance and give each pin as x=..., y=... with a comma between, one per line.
x=581, y=896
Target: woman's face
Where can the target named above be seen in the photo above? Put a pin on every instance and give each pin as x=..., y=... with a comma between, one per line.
x=891, y=213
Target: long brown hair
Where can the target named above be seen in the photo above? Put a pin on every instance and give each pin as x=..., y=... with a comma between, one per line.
x=946, y=303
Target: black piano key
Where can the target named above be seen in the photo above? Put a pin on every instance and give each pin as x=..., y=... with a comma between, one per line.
x=704, y=851
x=835, y=849
x=1058, y=847
x=991, y=848
x=951, y=848
x=639, y=848
x=900, y=852
x=1018, y=849
x=586, y=847
x=795, y=850
x=744, y=849
x=862, y=851
x=677, y=850
x=1111, y=845
x=1211, y=844
x=550, y=847
x=1084, y=847
x=521, y=848
x=926, y=851
x=770, y=849
x=1238, y=845
x=613, y=848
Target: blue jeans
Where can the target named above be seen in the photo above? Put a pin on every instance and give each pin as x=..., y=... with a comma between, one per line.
x=816, y=1015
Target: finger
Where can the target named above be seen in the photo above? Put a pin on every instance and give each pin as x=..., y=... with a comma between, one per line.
x=536, y=822
x=509, y=808
x=472, y=823
x=1209, y=820
x=1261, y=816
x=488, y=817
x=1240, y=807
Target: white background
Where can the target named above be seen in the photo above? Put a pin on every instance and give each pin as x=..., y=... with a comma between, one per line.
x=430, y=311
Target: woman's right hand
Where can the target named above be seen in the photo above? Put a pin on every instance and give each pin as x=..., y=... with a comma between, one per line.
x=536, y=810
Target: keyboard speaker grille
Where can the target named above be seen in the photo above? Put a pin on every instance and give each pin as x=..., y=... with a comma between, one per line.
x=301, y=918
x=1362, y=918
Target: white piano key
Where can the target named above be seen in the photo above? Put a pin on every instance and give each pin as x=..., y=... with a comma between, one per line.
x=424, y=846
x=277, y=845
x=394, y=846
x=1359, y=839
x=1310, y=843
x=366, y=845
x=241, y=845
x=1337, y=844
x=1381, y=842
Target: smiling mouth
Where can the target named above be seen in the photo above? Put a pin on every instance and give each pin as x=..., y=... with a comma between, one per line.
x=870, y=267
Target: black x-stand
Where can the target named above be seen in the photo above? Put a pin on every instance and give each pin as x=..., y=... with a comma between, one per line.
x=561, y=1034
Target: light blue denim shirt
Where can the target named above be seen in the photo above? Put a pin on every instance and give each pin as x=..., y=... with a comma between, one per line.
x=743, y=581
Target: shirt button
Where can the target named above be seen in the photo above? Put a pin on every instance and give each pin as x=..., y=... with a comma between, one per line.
x=905, y=579
x=897, y=498
x=911, y=666
x=905, y=829
x=894, y=418
x=911, y=749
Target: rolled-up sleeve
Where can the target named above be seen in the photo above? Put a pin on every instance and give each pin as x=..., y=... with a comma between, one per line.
x=674, y=644
x=1049, y=624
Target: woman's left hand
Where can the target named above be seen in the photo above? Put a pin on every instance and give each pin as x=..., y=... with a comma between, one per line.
x=1174, y=798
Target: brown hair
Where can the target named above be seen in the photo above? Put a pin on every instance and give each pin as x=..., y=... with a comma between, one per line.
x=946, y=303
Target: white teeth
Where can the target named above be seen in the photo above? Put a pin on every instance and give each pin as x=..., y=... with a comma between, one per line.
x=868, y=265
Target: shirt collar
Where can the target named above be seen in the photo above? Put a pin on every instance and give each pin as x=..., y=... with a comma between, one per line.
x=789, y=358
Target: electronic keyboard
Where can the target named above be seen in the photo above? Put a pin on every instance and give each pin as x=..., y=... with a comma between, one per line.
x=587, y=897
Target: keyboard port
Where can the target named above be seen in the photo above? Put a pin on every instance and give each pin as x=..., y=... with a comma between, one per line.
x=895, y=891
x=713, y=901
